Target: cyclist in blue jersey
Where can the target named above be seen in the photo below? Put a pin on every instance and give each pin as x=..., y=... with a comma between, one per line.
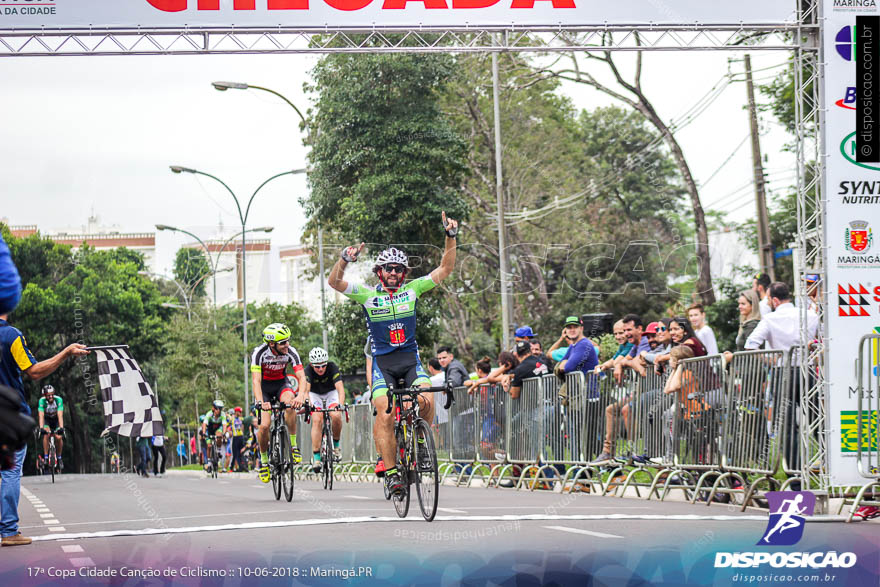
x=390, y=310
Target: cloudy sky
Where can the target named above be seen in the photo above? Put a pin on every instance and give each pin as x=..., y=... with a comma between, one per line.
x=98, y=133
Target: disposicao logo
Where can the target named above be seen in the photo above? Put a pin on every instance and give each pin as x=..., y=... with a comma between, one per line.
x=788, y=512
x=787, y=516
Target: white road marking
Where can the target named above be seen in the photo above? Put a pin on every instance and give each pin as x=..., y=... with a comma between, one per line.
x=395, y=519
x=451, y=511
x=356, y=496
x=42, y=510
x=51, y=521
x=82, y=562
x=70, y=548
x=224, y=483
x=224, y=514
x=49, y=515
x=57, y=529
x=579, y=531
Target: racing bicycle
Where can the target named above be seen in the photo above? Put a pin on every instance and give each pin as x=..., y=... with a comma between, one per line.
x=327, y=459
x=417, y=456
x=280, y=455
x=52, y=463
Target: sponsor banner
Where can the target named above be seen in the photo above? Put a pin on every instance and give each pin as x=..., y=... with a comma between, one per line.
x=305, y=14
x=852, y=142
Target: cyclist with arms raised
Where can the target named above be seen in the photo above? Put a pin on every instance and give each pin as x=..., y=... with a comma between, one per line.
x=51, y=414
x=268, y=371
x=214, y=425
x=390, y=310
x=325, y=388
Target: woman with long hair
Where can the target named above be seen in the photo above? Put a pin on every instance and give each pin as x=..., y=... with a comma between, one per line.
x=682, y=332
x=749, y=316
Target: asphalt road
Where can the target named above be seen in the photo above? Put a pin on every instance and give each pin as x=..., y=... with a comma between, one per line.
x=186, y=524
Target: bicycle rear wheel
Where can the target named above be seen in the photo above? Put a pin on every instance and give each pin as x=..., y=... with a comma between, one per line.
x=401, y=499
x=286, y=462
x=427, y=477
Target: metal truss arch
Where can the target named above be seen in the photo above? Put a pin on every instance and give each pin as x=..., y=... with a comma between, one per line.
x=122, y=41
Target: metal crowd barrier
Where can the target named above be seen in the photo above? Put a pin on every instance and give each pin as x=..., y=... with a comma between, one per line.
x=722, y=433
x=692, y=426
x=758, y=399
x=643, y=418
x=866, y=421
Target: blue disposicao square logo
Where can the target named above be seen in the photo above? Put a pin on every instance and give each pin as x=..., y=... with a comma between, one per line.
x=788, y=512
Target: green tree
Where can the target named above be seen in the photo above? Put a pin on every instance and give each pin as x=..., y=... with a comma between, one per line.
x=385, y=162
x=94, y=297
x=191, y=268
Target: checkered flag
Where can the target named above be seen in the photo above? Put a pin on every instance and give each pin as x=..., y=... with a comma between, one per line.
x=130, y=406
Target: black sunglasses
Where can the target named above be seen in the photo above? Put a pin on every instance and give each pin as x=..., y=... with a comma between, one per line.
x=394, y=269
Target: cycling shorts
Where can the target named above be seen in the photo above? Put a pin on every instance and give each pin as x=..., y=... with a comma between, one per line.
x=324, y=400
x=394, y=366
x=52, y=423
x=272, y=389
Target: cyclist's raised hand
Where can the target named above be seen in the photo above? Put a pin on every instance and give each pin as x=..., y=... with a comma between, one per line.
x=350, y=254
x=449, y=225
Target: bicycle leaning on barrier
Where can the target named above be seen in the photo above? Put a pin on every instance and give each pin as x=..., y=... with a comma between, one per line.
x=327, y=454
x=417, y=455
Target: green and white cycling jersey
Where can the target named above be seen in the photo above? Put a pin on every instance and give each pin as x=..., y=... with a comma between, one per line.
x=391, y=319
x=220, y=421
x=51, y=409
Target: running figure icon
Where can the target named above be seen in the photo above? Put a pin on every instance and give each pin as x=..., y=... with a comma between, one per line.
x=788, y=510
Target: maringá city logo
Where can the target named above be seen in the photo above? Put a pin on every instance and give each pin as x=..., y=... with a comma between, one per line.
x=858, y=236
x=788, y=510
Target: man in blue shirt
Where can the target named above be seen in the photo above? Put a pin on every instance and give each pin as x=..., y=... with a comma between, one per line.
x=581, y=354
x=15, y=359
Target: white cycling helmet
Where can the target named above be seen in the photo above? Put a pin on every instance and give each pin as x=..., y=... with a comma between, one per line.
x=318, y=356
x=391, y=255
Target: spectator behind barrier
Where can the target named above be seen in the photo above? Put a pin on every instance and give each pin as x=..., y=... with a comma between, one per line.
x=507, y=362
x=697, y=317
x=749, y=318
x=455, y=371
x=538, y=351
x=664, y=345
x=624, y=346
x=683, y=334
x=529, y=366
x=780, y=328
x=633, y=328
x=761, y=285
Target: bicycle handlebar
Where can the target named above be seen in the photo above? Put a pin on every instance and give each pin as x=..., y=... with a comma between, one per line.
x=415, y=391
x=309, y=409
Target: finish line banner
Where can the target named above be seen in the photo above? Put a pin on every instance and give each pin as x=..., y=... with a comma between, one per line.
x=308, y=14
x=851, y=40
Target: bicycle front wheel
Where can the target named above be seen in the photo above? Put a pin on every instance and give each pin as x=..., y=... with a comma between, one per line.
x=401, y=500
x=427, y=477
x=274, y=468
x=286, y=462
x=52, y=463
x=327, y=462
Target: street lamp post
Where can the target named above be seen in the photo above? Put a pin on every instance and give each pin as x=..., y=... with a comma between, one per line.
x=214, y=261
x=186, y=305
x=243, y=217
x=222, y=87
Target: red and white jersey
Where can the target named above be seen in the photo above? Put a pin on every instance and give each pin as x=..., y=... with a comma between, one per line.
x=272, y=366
